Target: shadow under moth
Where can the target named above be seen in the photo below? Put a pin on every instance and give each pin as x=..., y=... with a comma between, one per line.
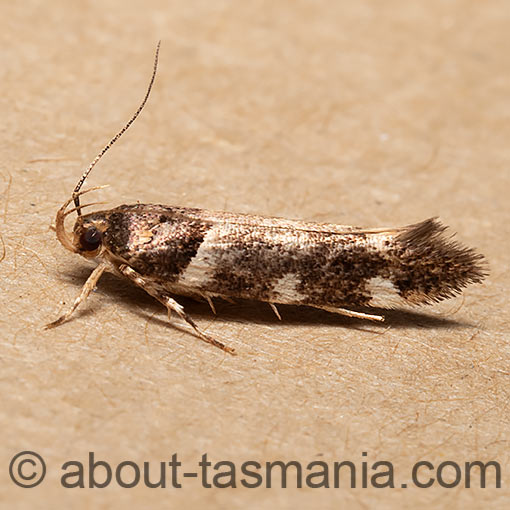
x=204, y=254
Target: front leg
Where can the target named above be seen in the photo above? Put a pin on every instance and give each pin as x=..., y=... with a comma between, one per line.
x=170, y=303
x=82, y=297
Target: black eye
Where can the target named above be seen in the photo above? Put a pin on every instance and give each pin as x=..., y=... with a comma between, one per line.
x=90, y=239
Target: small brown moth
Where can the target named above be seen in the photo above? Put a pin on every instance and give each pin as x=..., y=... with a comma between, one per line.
x=169, y=250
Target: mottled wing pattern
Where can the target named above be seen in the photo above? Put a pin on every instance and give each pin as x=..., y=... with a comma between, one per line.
x=205, y=253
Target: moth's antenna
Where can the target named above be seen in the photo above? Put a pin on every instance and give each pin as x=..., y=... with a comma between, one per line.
x=76, y=196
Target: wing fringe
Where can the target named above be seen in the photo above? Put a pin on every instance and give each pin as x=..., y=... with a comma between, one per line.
x=443, y=266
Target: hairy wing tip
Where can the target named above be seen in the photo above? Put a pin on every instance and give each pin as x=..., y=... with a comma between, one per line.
x=459, y=265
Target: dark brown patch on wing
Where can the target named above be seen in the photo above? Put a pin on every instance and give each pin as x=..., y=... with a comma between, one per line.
x=330, y=270
x=173, y=246
x=338, y=276
x=169, y=242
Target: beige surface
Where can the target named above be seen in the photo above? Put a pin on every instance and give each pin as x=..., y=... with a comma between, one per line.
x=366, y=113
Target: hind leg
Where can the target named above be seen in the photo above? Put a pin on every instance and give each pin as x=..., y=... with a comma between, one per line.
x=351, y=313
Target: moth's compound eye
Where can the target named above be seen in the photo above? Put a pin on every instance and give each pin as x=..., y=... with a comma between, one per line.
x=91, y=239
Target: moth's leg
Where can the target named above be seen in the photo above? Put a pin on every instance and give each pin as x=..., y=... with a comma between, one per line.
x=87, y=288
x=351, y=313
x=275, y=310
x=211, y=304
x=171, y=305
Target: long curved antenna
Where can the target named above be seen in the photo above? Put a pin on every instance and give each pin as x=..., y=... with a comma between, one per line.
x=76, y=196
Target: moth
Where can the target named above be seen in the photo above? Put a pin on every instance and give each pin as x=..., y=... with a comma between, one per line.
x=169, y=251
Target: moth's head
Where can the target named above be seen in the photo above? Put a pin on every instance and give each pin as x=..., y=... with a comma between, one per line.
x=88, y=235
x=88, y=232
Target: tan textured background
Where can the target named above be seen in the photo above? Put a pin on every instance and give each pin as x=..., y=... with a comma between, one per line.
x=367, y=113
